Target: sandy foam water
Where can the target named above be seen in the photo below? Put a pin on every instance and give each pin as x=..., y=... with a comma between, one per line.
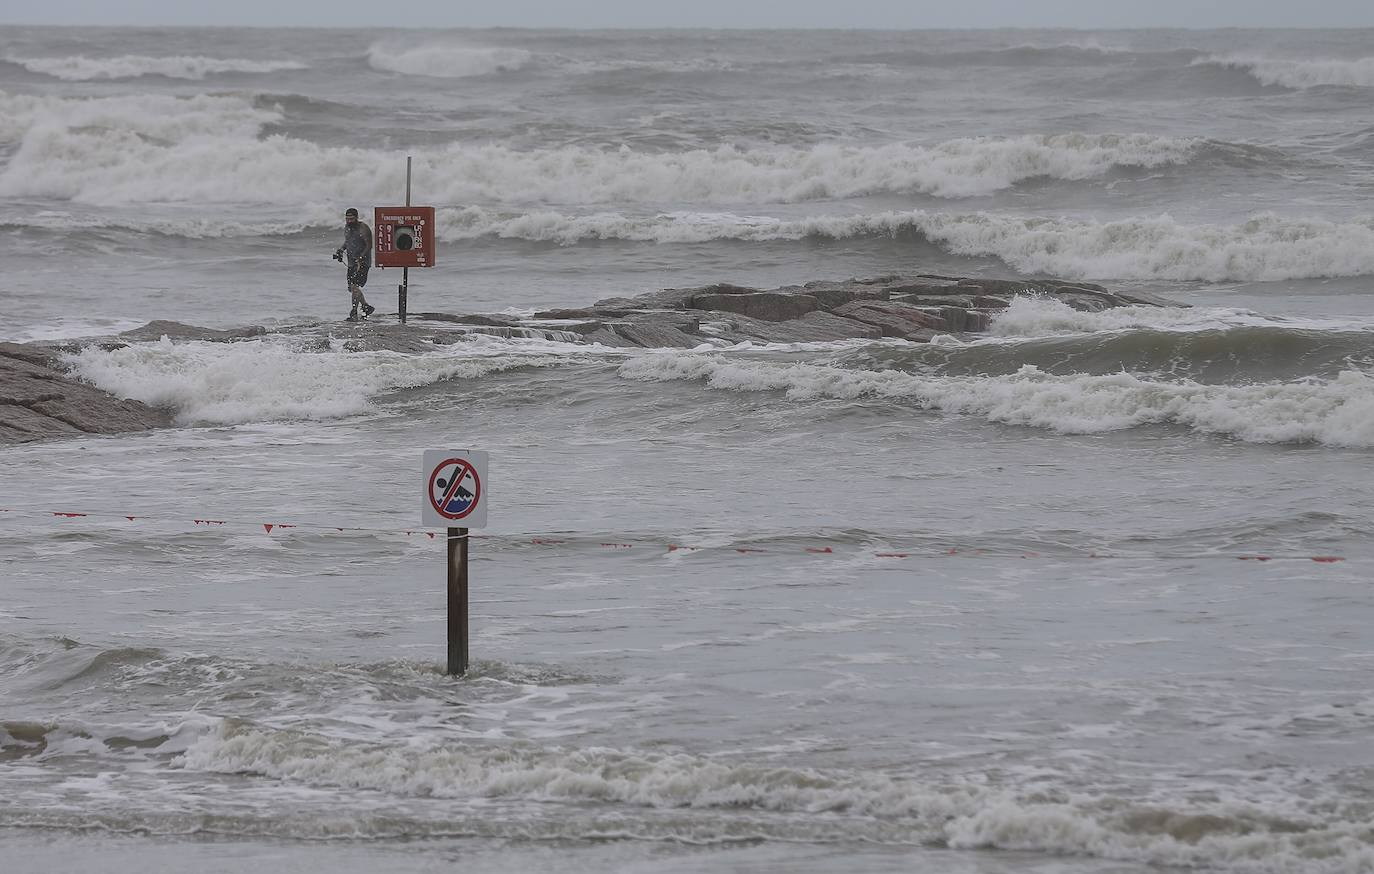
x=79, y=68
x=1267, y=832
x=1338, y=412
x=444, y=59
x=73, y=736
x=1299, y=73
x=267, y=380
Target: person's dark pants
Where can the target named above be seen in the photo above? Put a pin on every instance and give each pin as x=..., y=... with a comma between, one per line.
x=357, y=278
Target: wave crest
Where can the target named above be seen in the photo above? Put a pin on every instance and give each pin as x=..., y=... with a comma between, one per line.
x=266, y=380
x=210, y=149
x=446, y=61
x=1266, y=247
x=1337, y=412
x=79, y=68
x=824, y=806
x=1292, y=73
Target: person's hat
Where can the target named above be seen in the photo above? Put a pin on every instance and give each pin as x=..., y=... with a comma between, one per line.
x=351, y=211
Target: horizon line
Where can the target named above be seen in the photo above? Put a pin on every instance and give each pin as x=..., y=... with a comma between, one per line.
x=754, y=28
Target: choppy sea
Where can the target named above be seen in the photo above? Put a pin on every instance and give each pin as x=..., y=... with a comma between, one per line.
x=1086, y=593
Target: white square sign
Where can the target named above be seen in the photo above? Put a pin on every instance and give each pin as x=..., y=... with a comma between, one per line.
x=455, y=484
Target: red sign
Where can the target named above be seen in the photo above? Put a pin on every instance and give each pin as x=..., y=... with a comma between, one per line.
x=404, y=236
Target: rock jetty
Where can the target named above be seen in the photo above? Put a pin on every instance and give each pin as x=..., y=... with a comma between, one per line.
x=914, y=308
x=39, y=400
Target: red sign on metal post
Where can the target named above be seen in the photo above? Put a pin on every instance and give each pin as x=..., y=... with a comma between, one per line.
x=404, y=236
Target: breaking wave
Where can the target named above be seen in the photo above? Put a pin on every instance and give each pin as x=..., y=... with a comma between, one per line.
x=138, y=121
x=1335, y=412
x=1266, y=247
x=446, y=61
x=79, y=68
x=774, y=802
x=537, y=792
x=1358, y=73
x=1217, y=345
x=267, y=380
x=209, y=149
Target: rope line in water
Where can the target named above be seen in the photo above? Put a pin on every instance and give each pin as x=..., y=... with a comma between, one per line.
x=667, y=548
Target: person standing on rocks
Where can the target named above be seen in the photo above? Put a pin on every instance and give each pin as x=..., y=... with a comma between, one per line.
x=356, y=252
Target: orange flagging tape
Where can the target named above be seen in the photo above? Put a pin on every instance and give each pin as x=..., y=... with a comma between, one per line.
x=269, y=527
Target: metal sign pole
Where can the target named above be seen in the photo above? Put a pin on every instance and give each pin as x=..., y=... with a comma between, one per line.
x=457, y=601
x=455, y=493
x=405, y=271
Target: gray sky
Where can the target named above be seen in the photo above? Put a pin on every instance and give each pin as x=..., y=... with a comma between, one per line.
x=916, y=14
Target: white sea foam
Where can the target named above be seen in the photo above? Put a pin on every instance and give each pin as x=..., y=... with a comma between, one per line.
x=1232, y=834
x=1046, y=317
x=1337, y=412
x=445, y=60
x=209, y=150
x=80, y=68
x=660, y=64
x=1292, y=73
x=266, y=380
x=69, y=327
x=160, y=121
x=194, y=227
x=1266, y=247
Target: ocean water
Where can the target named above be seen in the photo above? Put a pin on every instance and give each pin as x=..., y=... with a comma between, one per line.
x=1087, y=593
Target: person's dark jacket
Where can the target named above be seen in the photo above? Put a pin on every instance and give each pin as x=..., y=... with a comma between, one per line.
x=357, y=245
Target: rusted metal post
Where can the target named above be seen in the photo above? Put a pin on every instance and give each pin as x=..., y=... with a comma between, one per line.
x=457, y=601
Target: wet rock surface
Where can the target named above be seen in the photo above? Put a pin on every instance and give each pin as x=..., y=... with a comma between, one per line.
x=914, y=308
x=38, y=399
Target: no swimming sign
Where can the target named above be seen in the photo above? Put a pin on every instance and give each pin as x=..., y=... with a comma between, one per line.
x=455, y=488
